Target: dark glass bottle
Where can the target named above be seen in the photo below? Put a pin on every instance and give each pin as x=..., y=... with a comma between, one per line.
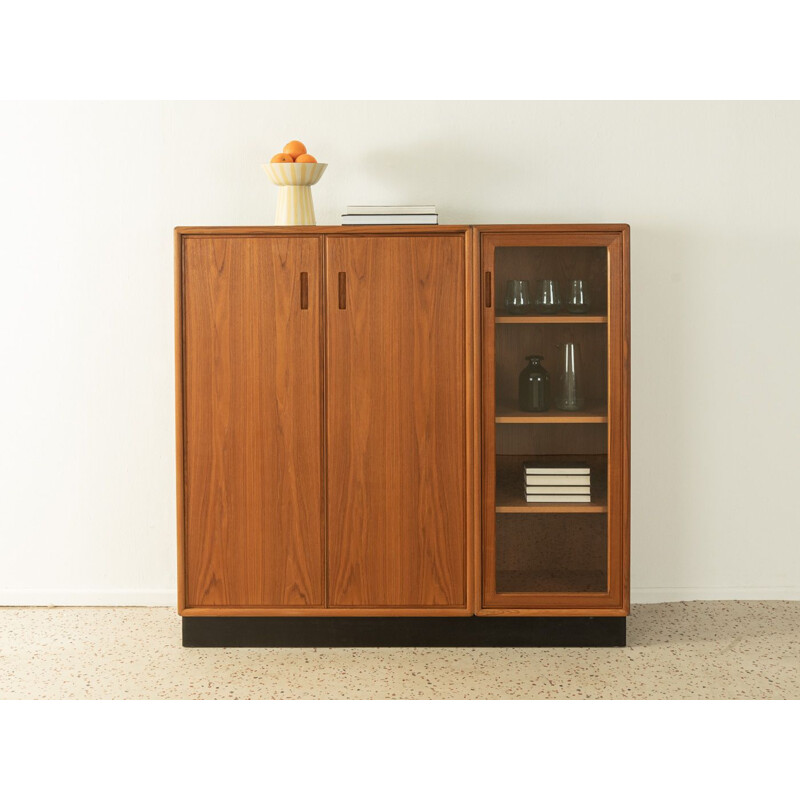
x=534, y=386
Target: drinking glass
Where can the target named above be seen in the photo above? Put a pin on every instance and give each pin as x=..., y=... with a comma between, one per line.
x=578, y=297
x=569, y=392
x=518, y=297
x=548, y=297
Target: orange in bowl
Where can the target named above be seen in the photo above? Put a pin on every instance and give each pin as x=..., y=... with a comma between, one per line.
x=294, y=149
x=281, y=158
x=305, y=158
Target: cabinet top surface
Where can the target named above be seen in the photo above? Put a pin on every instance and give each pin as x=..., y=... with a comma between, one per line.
x=247, y=230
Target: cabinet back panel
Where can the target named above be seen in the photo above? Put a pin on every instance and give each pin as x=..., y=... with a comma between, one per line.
x=252, y=422
x=396, y=421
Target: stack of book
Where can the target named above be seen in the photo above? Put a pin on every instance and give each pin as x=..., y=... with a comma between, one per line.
x=557, y=482
x=390, y=215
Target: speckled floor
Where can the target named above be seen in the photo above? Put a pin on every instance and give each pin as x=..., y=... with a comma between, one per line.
x=676, y=650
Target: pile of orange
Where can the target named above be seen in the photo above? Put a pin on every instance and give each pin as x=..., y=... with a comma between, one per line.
x=294, y=152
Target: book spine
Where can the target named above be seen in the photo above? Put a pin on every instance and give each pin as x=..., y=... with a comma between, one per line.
x=557, y=480
x=361, y=210
x=388, y=219
x=557, y=498
x=571, y=490
x=530, y=471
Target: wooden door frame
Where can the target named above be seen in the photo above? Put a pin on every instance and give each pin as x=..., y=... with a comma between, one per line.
x=616, y=239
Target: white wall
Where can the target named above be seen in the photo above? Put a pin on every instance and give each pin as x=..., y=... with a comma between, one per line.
x=90, y=194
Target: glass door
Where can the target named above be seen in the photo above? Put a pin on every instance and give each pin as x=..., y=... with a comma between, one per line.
x=555, y=421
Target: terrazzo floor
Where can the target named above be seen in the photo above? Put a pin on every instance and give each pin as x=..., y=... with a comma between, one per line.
x=697, y=650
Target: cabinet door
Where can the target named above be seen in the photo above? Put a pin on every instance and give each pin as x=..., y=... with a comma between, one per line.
x=253, y=503
x=396, y=421
x=556, y=479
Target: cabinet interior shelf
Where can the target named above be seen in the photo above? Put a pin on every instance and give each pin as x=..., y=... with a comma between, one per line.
x=510, y=492
x=558, y=319
x=593, y=413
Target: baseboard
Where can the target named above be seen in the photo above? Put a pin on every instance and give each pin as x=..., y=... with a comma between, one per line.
x=167, y=597
x=43, y=597
x=404, y=631
x=682, y=594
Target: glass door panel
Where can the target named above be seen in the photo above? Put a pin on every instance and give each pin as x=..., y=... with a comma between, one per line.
x=548, y=543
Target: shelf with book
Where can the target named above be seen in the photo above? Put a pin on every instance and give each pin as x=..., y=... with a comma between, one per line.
x=510, y=491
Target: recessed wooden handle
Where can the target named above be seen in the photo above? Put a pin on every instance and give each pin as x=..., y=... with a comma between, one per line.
x=488, y=289
x=342, y=290
x=304, y=290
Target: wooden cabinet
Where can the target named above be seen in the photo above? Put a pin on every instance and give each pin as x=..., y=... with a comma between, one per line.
x=350, y=442
x=326, y=451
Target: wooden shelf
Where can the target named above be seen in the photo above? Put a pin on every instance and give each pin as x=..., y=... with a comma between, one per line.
x=593, y=413
x=510, y=494
x=557, y=319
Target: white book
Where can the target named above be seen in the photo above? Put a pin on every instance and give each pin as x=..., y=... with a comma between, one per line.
x=556, y=468
x=557, y=498
x=557, y=489
x=390, y=219
x=558, y=480
x=391, y=209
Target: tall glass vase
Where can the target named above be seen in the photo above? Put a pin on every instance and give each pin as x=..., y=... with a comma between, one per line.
x=569, y=387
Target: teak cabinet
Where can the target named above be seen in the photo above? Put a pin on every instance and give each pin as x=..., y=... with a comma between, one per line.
x=348, y=438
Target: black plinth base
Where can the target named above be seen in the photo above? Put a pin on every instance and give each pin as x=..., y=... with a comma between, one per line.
x=404, y=631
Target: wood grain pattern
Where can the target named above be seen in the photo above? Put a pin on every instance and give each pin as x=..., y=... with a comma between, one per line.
x=488, y=573
x=472, y=362
x=179, y=432
x=354, y=231
x=253, y=415
x=483, y=300
x=397, y=422
x=619, y=420
x=625, y=420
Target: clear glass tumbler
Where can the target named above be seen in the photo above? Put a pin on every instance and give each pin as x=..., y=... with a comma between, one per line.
x=548, y=297
x=518, y=297
x=569, y=386
x=578, y=297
